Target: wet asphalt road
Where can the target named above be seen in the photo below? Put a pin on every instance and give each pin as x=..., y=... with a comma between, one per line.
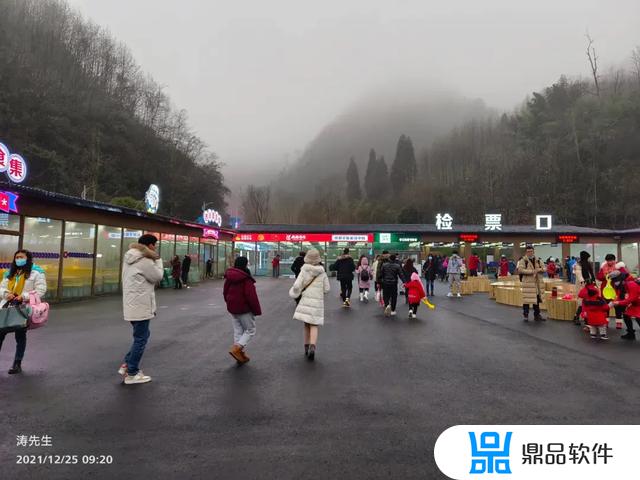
x=371, y=406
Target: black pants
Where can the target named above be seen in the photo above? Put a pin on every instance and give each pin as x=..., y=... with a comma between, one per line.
x=185, y=277
x=276, y=271
x=536, y=308
x=346, y=285
x=473, y=273
x=21, y=343
x=414, y=307
x=390, y=295
x=429, y=287
x=619, y=311
x=628, y=321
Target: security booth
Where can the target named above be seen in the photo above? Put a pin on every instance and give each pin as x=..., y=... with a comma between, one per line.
x=80, y=243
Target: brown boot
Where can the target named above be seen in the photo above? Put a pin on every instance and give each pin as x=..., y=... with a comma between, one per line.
x=237, y=353
x=245, y=357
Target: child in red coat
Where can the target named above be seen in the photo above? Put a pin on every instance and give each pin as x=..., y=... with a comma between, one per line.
x=596, y=310
x=415, y=294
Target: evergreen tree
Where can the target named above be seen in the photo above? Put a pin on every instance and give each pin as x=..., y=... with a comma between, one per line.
x=404, y=168
x=354, y=193
x=382, y=180
x=370, y=176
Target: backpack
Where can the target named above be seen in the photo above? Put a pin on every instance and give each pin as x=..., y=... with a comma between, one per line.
x=364, y=275
x=39, y=311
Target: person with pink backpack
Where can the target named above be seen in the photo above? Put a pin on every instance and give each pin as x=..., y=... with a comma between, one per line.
x=24, y=283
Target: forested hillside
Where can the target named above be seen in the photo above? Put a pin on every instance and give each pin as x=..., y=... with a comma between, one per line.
x=78, y=107
x=572, y=150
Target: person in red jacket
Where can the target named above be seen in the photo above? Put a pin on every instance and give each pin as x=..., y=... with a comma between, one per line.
x=474, y=261
x=504, y=266
x=551, y=268
x=628, y=298
x=596, y=309
x=242, y=303
x=275, y=264
x=415, y=293
x=607, y=267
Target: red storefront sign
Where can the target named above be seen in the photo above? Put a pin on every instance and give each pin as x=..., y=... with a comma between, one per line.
x=469, y=237
x=304, y=237
x=567, y=238
x=210, y=233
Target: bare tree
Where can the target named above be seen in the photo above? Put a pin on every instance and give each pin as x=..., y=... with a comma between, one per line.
x=256, y=204
x=593, y=62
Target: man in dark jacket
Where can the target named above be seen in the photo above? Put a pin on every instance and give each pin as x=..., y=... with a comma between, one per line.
x=298, y=263
x=240, y=295
x=390, y=273
x=186, y=266
x=345, y=266
x=430, y=272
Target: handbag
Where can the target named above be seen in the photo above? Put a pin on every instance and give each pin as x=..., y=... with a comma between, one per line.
x=14, y=317
x=299, y=297
x=39, y=311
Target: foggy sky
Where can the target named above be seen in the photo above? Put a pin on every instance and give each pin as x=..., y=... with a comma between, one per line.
x=261, y=78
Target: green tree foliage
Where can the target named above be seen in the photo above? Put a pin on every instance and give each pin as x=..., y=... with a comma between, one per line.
x=404, y=168
x=370, y=175
x=354, y=193
x=76, y=105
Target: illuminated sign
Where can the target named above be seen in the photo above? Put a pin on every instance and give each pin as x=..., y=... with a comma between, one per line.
x=544, y=222
x=8, y=202
x=567, y=239
x=444, y=222
x=210, y=233
x=152, y=198
x=212, y=216
x=13, y=165
x=304, y=237
x=493, y=221
x=384, y=238
x=469, y=237
x=408, y=239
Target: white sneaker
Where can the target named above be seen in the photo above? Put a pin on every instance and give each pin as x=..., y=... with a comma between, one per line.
x=361, y=297
x=459, y=296
x=366, y=295
x=123, y=369
x=387, y=310
x=137, y=378
x=393, y=314
x=449, y=294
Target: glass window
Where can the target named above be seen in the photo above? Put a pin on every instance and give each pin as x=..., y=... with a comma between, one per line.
x=222, y=255
x=194, y=253
x=167, y=247
x=182, y=245
x=108, y=259
x=630, y=257
x=42, y=236
x=266, y=253
x=78, y=259
x=8, y=246
x=288, y=253
x=207, y=247
x=9, y=222
x=245, y=249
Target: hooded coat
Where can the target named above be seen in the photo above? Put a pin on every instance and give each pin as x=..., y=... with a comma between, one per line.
x=141, y=270
x=532, y=272
x=310, y=309
x=364, y=266
x=631, y=298
x=239, y=292
x=504, y=267
x=594, y=306
x=454, y=265
x=415, y=289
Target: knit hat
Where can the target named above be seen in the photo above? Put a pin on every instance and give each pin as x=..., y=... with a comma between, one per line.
x=312, y=257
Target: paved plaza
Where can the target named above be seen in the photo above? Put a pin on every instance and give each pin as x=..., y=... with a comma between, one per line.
x=370, y=407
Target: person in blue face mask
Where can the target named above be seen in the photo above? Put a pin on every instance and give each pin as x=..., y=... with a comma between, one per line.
x=22, y=278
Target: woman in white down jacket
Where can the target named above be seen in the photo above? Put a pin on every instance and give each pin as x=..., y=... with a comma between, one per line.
x=311, y=286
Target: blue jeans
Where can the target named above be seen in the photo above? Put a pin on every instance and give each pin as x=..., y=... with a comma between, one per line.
x=140, y=336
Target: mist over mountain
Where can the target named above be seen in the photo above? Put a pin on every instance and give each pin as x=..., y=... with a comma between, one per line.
x=377, y=121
